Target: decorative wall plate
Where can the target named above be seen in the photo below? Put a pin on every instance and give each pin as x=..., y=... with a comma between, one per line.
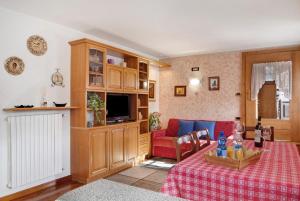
x=14, y=65
x=37, y=45
x=57, y=79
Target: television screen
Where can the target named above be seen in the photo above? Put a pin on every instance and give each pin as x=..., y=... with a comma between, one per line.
x=117, y=106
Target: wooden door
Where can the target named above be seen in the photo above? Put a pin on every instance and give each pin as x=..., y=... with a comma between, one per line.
x=284, y=129
x=132, y=133
x=99, y=141
x=117, y=147
x=114, y=78
x=130, y=80
x=295, y=103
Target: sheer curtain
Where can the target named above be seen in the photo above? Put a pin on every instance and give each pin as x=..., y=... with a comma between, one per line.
x=281, y=72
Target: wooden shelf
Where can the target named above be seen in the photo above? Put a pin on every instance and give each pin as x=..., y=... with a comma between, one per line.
x=145, y=80
x=95, y=73
x=98, y=63
x=118, y=66
x=143, y=107
x=38, y=109
x=143, y=120
x=144, y=72
x=89, y=109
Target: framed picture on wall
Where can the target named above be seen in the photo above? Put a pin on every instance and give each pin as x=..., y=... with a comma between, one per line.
x=180, y=91
x=152, y=90
x=214, y=83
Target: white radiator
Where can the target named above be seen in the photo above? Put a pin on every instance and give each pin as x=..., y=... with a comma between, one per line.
x=35, y=150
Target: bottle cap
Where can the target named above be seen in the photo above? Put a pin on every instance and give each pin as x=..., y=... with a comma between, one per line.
x=222, y=134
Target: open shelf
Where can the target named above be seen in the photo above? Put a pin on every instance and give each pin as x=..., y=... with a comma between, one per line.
x=143, y=101
x=91, y=115
x=119, y=59
x=144, y=127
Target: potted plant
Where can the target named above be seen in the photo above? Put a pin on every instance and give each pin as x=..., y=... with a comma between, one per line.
x=96, y=104
x=154, y=121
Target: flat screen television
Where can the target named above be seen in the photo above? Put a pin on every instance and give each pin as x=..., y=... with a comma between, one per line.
x=118, y=108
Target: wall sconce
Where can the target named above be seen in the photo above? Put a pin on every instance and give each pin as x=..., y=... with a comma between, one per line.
x=194, y=82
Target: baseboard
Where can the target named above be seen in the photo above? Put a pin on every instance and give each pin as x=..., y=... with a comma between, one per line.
x=34, y=189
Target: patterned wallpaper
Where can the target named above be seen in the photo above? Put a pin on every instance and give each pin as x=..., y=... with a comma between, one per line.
x=200, y=103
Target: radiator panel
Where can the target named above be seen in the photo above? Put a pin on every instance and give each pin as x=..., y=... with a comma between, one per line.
x=35, y=149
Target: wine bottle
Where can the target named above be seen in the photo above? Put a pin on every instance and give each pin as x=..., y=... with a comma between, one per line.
x=258, y=140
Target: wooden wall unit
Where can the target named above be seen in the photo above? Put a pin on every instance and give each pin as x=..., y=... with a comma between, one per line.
x=104, y=149
x=284, y=129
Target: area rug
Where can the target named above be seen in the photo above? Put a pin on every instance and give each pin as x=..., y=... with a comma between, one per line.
x=105, y=190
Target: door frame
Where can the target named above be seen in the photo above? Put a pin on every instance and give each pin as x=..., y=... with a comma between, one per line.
x=284, y=129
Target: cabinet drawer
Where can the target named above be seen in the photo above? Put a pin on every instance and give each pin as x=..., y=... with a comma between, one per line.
x=144, y=137
x=144, y=140
x=144, y=149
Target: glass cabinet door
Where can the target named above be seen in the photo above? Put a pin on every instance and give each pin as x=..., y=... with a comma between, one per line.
x=96, y=68
x=143, y=76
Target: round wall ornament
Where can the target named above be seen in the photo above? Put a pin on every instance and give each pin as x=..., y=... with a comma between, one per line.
x=57, y=79
x=37, y=45
x=14, y=65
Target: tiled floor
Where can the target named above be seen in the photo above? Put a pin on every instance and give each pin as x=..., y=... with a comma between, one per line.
x=148, y=175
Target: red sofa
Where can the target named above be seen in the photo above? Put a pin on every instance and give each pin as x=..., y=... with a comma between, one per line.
x=164, y=141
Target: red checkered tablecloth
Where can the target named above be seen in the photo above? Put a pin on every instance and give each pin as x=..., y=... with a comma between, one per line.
x=276, y=176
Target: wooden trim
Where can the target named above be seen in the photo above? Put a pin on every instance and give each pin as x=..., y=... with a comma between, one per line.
x=273, y=50
x=38, y=109
x=34, y=189
x=152, y=61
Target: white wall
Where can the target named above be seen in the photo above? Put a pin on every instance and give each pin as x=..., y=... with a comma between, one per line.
x=29, y=87
x=154, y=75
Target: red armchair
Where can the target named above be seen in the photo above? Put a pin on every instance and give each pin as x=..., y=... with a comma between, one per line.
x=164, y=141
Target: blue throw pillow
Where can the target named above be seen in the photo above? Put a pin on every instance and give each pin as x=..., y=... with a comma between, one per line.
x=209, y=125
x=185, y=127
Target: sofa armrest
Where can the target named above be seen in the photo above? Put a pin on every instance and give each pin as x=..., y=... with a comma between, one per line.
x=158, y=133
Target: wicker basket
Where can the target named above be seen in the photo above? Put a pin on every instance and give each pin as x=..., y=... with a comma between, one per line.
x=250, y=157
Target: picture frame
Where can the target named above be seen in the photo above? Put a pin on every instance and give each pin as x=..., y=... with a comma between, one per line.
x=152, y=90
x=180, y=91
x=214, y=83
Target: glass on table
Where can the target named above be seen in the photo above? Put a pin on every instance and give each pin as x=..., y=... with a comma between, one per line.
x=267, y=133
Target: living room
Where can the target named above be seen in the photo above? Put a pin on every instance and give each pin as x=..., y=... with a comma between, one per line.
x=114, y=100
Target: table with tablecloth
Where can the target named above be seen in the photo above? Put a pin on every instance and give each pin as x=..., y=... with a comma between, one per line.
x=276, y=176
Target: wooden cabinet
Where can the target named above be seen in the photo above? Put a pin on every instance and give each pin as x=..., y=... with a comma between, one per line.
x=97, y=148
x=99, y=142
x=144, y=142
x=114, y=78
x=130, y=80
x=117, y=147
x=132, y=133
x=96, y=67
x=89, y=153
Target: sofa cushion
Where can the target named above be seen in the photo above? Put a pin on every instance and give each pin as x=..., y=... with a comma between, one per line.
x=209, y=125
x=173, y=127
x=185, y=127
x=226, y=126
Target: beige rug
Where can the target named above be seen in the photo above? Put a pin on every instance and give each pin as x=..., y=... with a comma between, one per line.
x=105, y=190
